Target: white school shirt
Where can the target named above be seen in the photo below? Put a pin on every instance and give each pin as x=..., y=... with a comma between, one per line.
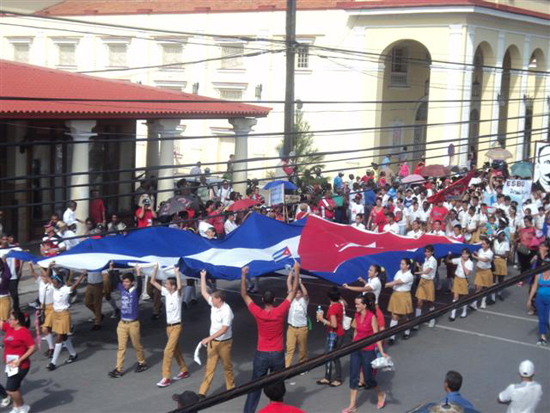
x=45, y=292
x=229, y=226
x=440, y=232
x=459, y=270
x=297, y=314
x=221, y=317
x=523, y=397
x=407, y=279
x=358, y=225
x=69, y=217
x=355, y=209
x=392, y=228
x=515, y=224
x=485, y=265
x=172, y=303
x=423, y=215
x=61, y=298
x=376, y=286
x=414, y=234
x=501, y=248
x=430, y=263
x=412, y=214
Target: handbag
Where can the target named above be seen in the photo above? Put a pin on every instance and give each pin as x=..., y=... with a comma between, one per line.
x=383, y=363
x=522, y=249
x=346, y=321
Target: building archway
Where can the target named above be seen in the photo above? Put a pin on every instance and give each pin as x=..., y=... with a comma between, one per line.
x=509, y=84
x=534, y=103
x=420, y=132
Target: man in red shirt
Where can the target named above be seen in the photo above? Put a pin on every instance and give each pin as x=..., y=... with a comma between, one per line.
x=438, y=213
x=275, y=392
x=97, y=208
x=145, y=215
x=270, y=321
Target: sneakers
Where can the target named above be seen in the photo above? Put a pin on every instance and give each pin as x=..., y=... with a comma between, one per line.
x=463, y=315
x=141, y=367
x=115, y=374
x=483, y=306
x=431, y=324
x=71, y=359
x=116, y=314
x=22, y=409
x=51, y=367
x=164, y=383
x=6, y=402
x=182, y=375
x=542, y=342
x=473, y=308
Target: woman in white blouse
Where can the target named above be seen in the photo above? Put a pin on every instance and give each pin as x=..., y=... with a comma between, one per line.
x=373, y=284
x=400, y=305
x=464, y=267
x=484, y=275
x=426, y=289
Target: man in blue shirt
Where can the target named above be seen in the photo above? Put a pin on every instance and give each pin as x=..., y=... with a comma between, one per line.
x=338, y=183
x=452, y=385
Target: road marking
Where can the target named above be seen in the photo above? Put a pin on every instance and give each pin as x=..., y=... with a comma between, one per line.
x=507, y=340
x=508, y=315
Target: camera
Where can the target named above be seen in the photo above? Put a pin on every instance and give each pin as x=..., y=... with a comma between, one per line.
x=147, y=202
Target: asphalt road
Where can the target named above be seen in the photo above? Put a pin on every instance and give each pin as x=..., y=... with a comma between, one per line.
x=486, y=348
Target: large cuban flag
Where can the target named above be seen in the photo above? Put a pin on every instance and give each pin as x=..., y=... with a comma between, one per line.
x=339, y=253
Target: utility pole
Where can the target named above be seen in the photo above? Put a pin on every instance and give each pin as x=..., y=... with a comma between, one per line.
x=289, y=91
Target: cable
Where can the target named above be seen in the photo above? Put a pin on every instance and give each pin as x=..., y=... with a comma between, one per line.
x=184, y=176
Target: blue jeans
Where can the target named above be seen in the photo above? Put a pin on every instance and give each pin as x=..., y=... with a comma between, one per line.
x=360, y=359
x=543, y=311
x=333, y=342
x=264, y=362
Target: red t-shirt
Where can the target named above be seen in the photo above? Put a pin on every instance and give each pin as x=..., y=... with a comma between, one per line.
x=147, y=219
x=16, y=343
x=97, y=210
x=270, y=325
x=380, y=319
x=216, y=221
x=337, y=310
x=364, y=329
x=278, y=407
x=439, y=213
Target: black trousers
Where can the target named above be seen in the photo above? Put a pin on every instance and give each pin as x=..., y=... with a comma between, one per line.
x=14, y=292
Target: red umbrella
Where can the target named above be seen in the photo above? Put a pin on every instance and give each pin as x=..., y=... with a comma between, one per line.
x=436, y=171
x=242, y=204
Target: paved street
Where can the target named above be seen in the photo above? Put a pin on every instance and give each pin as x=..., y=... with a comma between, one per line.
x=486, y=348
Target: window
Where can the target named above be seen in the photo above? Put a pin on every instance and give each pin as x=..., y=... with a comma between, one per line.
x=236, y=50
x=172, y=53
x=66, y=54
x=302, y=61
x=117, y=54
x=231, y=94
x=399, y=67
x=21, y=52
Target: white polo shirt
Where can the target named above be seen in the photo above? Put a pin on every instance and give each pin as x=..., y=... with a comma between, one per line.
x=376, y=286
x=469, y=265
x=430, y=263
x=407, y=279
x=297, y=314
x=523, y=397
x=220, y=317
x=45, y=292
x=501, y=248
x=392, y=228
x=485, y=265
x=172, y=303
x=415, y=234
x=61, y=298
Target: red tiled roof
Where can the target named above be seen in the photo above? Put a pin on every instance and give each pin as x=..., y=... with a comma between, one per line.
x=23, y=80
x=96, y=7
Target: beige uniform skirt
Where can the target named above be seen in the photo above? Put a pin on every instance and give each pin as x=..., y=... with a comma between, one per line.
x=425, y=290
x=483, y=278
x=5, y=308
x=460, y=286
x=500, y=266
x=48, y=316
x=61, y=322
x=400, y=303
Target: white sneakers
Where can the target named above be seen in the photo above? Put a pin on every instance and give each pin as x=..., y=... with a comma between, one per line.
x=432, y=323
x=5, y=402
x=22, y=409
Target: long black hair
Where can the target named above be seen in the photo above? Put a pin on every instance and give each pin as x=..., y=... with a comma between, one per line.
x=381, y=274
x=369, y=300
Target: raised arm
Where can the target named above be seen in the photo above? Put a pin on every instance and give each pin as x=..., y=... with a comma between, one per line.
x=357, y=289
x=292, y=292
x=244, y=293
x=154, y=281
x=304, y=291
x=289, y=281
x=178, y=280
x=79, y=280
x=204, y=290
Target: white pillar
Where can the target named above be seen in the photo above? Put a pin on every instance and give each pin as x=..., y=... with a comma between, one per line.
x=463, y=149
x=152, y=159
x=81, y=132
x=168, y=130
x=497, y=73
x=241, y=127
x=520, y=140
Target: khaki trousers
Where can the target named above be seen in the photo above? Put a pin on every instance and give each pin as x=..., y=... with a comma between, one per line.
x=172, y=351
x=155, y=296
x=296, y=336
x=218, y=350
x=124, y=330
x=93, y=299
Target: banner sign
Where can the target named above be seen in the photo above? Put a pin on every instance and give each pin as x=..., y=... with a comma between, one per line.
x=518, y=189
x=277, y=195
x=542, y=165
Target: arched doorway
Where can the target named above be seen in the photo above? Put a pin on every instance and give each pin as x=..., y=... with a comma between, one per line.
x=534, y=103
x=473, y=135
x=508, y=84
x=419, y=138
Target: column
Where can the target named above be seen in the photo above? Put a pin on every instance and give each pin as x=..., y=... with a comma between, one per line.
x=487, y=111
x=167, y=130
x=241, y=127
x=463, y=148
x=497, y=82
x=519, y=137
x=152, y=159
x=81, y=132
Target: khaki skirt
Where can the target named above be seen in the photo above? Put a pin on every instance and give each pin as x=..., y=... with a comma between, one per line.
x=61, y=323
x=5, y=308
x=425, y=290
x=460, y=286
x=500, y=266
x=400, y=303
x=48, y=316
x=483, y=278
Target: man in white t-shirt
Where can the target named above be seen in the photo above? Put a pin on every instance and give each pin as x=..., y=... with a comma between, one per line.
x=416, y=231
x=525, y=396
x=391, y=226
x=173, y=295
x=356, y=207
x=69, y=216
x=230, y=224
x=220, y=340
x=297, y=322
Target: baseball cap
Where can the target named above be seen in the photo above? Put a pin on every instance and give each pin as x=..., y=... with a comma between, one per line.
x=186, y=399
x=526, y=368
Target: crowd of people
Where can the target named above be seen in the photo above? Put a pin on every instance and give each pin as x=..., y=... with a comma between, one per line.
x=510, y=232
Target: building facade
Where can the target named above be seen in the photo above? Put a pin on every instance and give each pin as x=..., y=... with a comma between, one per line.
x=427, y=72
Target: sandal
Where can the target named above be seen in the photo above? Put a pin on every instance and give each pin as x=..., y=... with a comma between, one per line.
x=360, y=385
x=348, y=410
x=380, y=405
x=323, y=382
x=335, y=383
